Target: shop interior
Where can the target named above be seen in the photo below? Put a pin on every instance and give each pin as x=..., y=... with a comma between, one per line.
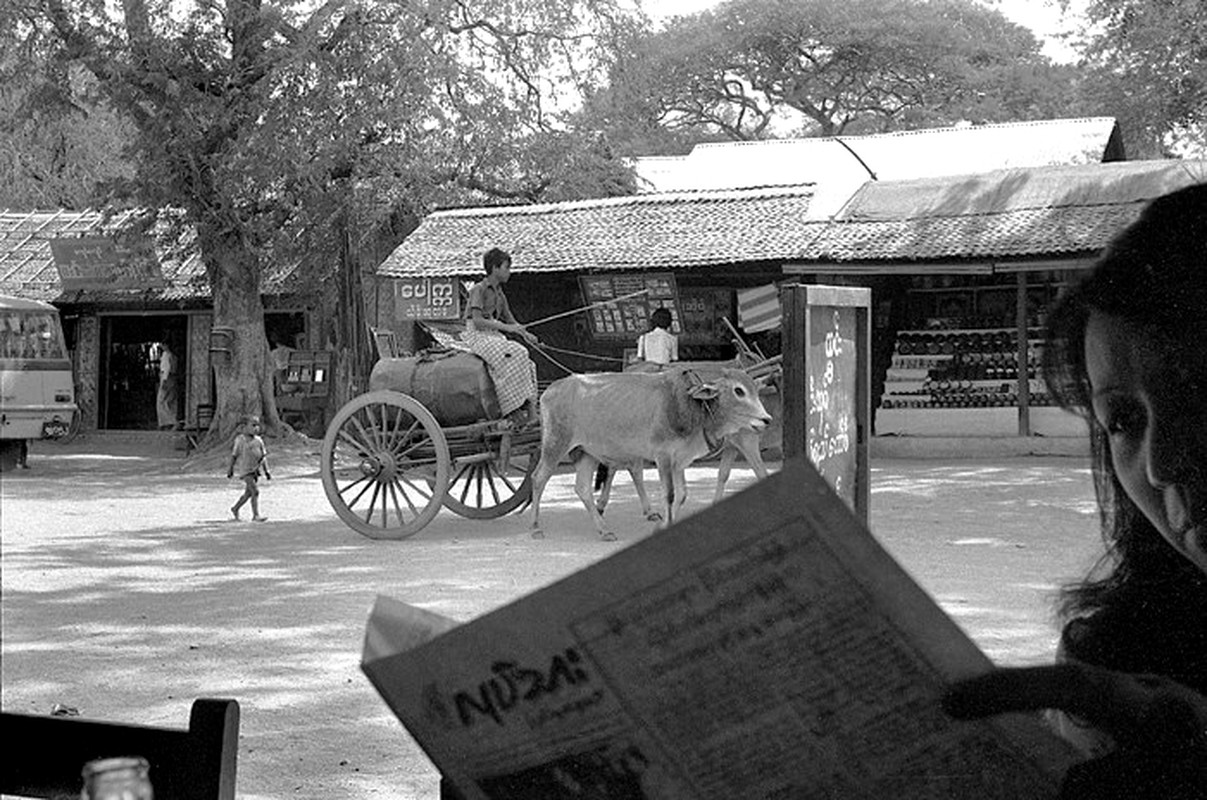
x=131, y=347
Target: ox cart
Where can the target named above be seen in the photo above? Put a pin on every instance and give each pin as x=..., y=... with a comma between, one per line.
x=429, y=435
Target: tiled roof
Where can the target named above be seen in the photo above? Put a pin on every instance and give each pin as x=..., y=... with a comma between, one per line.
x=639, y=232
x=27, y=266
x=1001, y=214
x=927, y=153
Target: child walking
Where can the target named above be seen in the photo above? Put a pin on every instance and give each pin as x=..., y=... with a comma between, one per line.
x=248, y=457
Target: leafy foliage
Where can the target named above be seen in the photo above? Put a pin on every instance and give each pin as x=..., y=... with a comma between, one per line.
x=751, y=69
x=1147, y=65
x=288, y=132
x=60, y=142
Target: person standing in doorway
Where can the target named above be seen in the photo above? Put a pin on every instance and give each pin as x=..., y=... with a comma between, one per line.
x=488, y=317
x=280, y=362
x=167, y=400
x=658, y=345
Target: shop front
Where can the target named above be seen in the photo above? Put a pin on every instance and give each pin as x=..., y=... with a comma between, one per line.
x=138, y=323
x=963, y=270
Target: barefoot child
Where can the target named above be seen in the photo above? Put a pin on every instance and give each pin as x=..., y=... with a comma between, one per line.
x=248, y=457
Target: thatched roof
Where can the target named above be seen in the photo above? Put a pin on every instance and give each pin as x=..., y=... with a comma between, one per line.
x=1004, y=214
x=27, y=266
x=649, y=231
x=1017, y=213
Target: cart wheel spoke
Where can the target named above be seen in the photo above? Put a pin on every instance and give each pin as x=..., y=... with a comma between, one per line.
x=385, y=465
x=485, y=489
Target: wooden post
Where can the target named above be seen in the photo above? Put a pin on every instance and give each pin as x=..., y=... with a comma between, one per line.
x=1024, y=381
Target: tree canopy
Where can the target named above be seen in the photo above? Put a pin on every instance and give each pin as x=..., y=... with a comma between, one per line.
x=1147, y=66
x=751, y=69
x=286, y=131
x=60, y=141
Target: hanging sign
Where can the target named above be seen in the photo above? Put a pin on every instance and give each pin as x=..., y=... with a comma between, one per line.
x=619, y=305
x=426, y=298
x=96, y=262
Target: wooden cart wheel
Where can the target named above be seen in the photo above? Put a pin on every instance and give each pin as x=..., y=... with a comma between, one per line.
x=385, y=465
x=486, y=485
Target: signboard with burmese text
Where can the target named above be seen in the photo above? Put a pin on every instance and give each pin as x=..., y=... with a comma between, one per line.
x=827, y=381
x=426, y=298
x=97, y=262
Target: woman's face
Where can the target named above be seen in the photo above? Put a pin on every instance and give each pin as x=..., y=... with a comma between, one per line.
x=1148, y=394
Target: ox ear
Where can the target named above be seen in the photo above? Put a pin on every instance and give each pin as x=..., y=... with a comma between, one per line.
x=704, y=392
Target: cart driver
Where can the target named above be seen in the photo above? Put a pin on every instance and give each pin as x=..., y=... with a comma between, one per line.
x=488, y=318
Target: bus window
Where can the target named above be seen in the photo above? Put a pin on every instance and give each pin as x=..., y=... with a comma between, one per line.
x=30, y=335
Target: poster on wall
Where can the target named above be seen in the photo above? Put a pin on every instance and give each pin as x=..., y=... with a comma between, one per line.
x=704, y=313
x=426, y=298
x=620, y=304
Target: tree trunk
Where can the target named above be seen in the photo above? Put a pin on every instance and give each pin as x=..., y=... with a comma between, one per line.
x=243, y=378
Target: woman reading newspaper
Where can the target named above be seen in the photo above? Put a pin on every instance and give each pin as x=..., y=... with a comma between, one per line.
x=1127, y=348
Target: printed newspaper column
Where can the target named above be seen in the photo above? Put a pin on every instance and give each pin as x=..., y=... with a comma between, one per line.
x=766, y=647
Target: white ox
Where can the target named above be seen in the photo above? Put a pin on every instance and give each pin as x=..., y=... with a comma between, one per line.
x=624, y=418
x=744, y=443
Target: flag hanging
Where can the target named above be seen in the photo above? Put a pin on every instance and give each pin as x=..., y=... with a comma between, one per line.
x=759, y=308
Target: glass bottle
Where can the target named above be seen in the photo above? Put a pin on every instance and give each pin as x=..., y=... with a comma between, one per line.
x=123, y=778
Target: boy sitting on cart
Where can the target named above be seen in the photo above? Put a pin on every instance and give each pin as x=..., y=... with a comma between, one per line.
x=488, y=317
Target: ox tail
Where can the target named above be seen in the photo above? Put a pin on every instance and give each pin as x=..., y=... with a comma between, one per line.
x=601, y=476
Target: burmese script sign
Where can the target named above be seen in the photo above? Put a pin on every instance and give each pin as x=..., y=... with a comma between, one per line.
x=96, y=262
x=830, y=419
x=426, y=298
x=827, y=409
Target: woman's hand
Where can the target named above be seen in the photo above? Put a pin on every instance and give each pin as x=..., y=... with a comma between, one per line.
x=1159, y=726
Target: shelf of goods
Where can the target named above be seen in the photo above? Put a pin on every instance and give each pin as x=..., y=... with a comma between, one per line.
x=965, y=383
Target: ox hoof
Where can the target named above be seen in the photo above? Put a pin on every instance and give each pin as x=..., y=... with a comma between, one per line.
x=538, y=534
x=653, y=516
x=607, y=536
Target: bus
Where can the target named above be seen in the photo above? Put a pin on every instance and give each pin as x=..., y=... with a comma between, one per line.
x=37, y=391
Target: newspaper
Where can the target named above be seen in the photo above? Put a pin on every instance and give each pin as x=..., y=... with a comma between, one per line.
x=766, y=647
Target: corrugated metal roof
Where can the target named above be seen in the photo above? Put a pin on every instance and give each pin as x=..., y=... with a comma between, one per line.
x=27, y=267
x=639, y=232
x=1001, y=214
x=931, y=152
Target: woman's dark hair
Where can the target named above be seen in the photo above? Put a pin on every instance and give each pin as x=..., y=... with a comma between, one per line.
x=1144, y=606
x=494, y=258
x=661, y=318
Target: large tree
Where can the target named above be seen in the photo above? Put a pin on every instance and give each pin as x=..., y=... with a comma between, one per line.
x=286, y=131
x=1146, y=64
x=750, y=69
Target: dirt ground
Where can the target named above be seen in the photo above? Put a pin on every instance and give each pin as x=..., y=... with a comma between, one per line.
x=127, y=591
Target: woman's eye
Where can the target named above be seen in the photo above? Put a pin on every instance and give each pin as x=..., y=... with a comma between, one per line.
x=1122, y=422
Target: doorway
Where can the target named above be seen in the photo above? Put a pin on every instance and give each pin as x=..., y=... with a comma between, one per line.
x=132, y=349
